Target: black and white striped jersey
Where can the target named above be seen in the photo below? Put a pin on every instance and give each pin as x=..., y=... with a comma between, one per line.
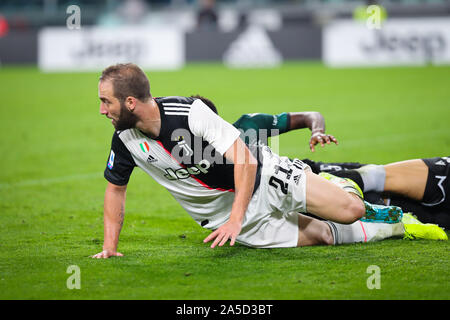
x=186, y=158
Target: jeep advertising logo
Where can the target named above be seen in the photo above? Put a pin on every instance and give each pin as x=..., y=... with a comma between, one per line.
x=95, y=47
x=184, y=173
x=427, y=45
x=120, y=49
x=401, y=41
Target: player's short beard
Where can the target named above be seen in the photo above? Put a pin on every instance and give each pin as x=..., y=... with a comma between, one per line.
x=127, y=119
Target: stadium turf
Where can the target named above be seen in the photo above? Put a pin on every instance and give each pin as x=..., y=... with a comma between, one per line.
x=54, y=146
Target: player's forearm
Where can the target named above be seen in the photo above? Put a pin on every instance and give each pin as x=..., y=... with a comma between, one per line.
x=245, y=175
x=245, y=166
x=114, y=211
x=312, y=120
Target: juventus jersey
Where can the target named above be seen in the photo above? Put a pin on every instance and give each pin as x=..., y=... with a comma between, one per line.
x=186, y=158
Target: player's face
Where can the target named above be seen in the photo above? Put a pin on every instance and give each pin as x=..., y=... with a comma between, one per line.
x=109, y=104
x=113, y=109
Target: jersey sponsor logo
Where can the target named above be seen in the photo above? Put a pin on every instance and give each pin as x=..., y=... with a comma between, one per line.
x=151, y=159
x=144, y=147
x=112, y=155
x=184, y=173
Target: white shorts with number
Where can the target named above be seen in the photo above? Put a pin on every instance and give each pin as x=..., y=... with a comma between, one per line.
x=271, y=220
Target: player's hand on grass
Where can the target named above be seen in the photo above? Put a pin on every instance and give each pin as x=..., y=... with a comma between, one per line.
x=322, y=138
x=230, y=230
x=105, y=254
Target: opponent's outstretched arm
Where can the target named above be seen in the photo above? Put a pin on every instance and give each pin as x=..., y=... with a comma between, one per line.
x=113, y=215
x=316, y=123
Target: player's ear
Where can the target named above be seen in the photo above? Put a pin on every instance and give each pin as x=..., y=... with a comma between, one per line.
x=130, y=103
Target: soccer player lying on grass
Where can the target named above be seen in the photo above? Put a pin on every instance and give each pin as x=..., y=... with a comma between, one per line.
x=200, y=159
x=419, y=185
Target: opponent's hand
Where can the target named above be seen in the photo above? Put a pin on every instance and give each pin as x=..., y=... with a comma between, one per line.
x=321, y=138
x=230, y=230
x=105, y=254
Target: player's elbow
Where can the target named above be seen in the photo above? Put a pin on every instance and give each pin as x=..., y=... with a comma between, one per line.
x=314, y=115
x=116, y=189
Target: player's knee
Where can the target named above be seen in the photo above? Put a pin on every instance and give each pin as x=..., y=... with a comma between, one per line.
x=313, y=232
x=354, y=211
x=358, y=209
x=327, y=236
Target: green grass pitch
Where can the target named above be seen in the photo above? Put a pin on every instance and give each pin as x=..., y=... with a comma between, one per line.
x=54, y=146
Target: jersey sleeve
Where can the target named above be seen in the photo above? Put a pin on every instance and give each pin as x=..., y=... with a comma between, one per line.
x=120, y=163
x=263, y=121
x=203, y=122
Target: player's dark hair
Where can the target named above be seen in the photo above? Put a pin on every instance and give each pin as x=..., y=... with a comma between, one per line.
x=128, y=80
x=206, y=101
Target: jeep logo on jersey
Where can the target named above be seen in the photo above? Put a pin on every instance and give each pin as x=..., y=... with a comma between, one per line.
x=184, y=173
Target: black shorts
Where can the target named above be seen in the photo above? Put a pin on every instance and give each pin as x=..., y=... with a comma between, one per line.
x=438, y=183
x=330, y=167
x=435, y=205
x=436, y=215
